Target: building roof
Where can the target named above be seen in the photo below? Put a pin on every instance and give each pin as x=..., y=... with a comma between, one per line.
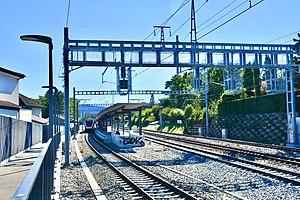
x=27, y=102
x=9, y=105
x=121, y=108
x=12, y=73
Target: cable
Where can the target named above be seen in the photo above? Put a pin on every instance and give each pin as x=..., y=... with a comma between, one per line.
x=282, y=37
x=164, y=23
x=230, y=19
x=68, y=13
x=218, y=13
x=169, y=18
x=223, y=15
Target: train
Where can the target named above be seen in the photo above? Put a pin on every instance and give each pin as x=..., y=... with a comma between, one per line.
x=89, y=125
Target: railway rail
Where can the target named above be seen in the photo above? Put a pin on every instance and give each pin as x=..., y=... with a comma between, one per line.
x=278, y=147
x=140, y=183
x=267, y=156
x=267, y=170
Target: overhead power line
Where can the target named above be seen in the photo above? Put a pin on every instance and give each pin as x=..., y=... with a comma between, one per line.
x=169, y=18
x=250, y=7
x=218, y=13
x=68, y=13
x=282, y=37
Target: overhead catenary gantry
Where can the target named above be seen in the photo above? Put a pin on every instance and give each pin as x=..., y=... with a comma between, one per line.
x=124, y=55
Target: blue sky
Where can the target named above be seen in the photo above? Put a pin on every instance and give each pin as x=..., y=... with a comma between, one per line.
x=125, y=20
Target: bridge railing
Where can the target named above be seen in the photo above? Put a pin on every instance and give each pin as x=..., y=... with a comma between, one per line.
x=39, y=182
x=17, y=136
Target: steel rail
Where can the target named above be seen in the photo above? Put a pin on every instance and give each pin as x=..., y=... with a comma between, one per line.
x=164, y=183
x=123, y=176
x=270, y=146
x=208, y=154
x=276, y=158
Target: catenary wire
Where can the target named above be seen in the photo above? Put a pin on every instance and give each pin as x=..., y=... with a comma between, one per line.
x=223, y=16
x=68, y=13
x=220, y=12
x=169, y=18
x=282, y=37
x=230, y=20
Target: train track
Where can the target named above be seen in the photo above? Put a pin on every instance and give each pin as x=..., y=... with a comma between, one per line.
x=267, y=170
x=140, y=183
x=275, y=158
x=283, y=148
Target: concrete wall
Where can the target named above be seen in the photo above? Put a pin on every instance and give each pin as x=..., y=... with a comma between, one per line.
x=17, y=135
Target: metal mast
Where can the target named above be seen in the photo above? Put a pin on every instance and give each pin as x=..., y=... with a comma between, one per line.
x=162, y=32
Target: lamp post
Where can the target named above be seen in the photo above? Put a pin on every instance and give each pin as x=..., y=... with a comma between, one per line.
x=47, y=40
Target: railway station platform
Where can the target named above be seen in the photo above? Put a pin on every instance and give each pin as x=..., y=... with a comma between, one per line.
x=13, y=172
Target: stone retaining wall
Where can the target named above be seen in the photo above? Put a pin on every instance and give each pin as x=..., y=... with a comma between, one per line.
x=265, y=128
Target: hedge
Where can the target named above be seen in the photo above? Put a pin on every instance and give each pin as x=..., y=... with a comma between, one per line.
x=262, y=104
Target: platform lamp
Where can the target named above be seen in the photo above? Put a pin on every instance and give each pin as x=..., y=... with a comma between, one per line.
x=47, y=40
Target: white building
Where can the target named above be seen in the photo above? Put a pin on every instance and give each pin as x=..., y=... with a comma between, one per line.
x=31, y=111
x=15, y=105
x=9, y=93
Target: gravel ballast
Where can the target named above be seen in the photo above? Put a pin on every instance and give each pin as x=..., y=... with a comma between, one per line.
x=248, y=185
x=74, y=184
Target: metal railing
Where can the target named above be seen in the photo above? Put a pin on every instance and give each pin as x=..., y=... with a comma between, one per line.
x=38, y=183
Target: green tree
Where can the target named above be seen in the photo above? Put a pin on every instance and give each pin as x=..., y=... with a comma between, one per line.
x=178, y=82
x=216, y=83
x=44, y=100
x=188, y=113
x=256, y=80
x=297, y=75
x=176, y=114
x=248, y=81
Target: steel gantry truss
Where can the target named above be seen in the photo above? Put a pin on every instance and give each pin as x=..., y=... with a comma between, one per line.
x=134, y=92
x=124, y=55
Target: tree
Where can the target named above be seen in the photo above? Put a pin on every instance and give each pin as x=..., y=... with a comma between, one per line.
x=216, y=83
x=44, y=100
x=188, y=113
x=256, y=80
x=178, y=82
x=297, y=75
x=248, y=81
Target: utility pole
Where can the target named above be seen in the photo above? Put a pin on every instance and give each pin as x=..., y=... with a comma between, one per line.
x=195, y=59
x=193, y=23
x=162, y=32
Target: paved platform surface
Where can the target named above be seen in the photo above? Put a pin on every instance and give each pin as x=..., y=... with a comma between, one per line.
x=14, y=171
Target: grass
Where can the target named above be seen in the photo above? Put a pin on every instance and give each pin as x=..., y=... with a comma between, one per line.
x=173, y=128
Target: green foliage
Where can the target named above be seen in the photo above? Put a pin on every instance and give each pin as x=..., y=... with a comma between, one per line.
x=166, y=114
x=188, y=112
x=167, y=102
x=248, y=82
x=44, y=100
x=297, y=75
x=215, y=86
x=176, y=114
x=213, y=108
x=256, y=81
x=262, y=104
x=177, y=83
